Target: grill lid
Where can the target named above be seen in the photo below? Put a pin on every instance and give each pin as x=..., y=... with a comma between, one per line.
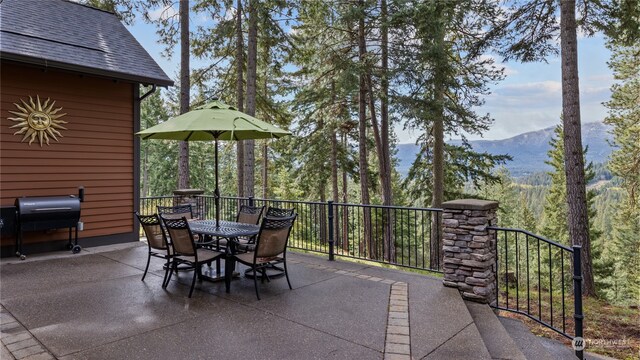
x=48, y=212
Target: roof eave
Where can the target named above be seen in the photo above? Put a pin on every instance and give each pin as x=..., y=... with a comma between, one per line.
x=86, y=70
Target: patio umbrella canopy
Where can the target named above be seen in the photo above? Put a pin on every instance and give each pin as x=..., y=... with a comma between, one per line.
x=213, y=121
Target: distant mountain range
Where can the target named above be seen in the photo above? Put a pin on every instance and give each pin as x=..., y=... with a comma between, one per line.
x=529, y=150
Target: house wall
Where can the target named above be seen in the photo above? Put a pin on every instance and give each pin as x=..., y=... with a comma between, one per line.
x=96, y=151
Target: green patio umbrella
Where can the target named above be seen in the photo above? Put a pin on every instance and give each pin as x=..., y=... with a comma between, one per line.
x=213, y=121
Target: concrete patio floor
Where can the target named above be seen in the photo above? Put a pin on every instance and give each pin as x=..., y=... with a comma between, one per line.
x=94, y=306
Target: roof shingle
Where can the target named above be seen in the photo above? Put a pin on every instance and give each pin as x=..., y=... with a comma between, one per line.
x=63, y=34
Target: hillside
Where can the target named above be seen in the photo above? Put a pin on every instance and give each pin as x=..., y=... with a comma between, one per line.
x=529, y=150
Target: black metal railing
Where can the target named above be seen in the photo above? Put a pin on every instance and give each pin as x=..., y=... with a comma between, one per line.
x=400, y=236
x=540, y=279
x=149, y=205
x=394, y=235
x=389, y=234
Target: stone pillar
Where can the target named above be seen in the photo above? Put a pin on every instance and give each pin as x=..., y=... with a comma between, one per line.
x=470, y=248
x=189, y=196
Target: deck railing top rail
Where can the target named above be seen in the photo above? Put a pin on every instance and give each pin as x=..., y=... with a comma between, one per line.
x=387, y=206
x=525, y=232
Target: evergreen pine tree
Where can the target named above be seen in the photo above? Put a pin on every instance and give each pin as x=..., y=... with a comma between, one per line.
x=325, y=91
x=504, y=192
x=158, y=158
x=554, y=223
x=624, y=116
x=440, y=79
x=526, y=219
x=554, y=214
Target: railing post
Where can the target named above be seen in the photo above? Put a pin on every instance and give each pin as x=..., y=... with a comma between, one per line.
x=577, y=296
x=188, y=196
x=331, y=230
x=251, y=201
x=469, y=248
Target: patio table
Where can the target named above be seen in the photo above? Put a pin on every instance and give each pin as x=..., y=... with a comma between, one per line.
x=229, y=230
x=226, y=229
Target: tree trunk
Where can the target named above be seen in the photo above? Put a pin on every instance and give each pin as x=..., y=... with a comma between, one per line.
x=362, y=136
x=265, y=169
x=183, y=159
x=345, y=198
x=252, y=69
x=322, y=212
x=381, y=136
x=436, y=254
x=265, y=145
x=573, y=152
x=240, y=94
x=379, y=151
x=322, y=185
x=334, y=180
x=334, y=161
x=385, y=178
x=145, y=173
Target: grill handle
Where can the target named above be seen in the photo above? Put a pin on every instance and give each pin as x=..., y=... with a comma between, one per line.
x=55, y=209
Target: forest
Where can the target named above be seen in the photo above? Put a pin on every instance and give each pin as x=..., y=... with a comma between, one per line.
x=341, y=74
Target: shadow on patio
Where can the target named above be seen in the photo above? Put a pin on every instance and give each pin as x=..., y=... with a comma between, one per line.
x=94, y=306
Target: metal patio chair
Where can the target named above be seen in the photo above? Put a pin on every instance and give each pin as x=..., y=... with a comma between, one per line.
x=157, y=243
x=270, y=249
x=248, y=215
x=176, y=212
x=279, y=212
x=185, y=250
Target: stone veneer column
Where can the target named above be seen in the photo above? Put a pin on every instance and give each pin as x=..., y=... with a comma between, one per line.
x=470, y=248
x=189, y=196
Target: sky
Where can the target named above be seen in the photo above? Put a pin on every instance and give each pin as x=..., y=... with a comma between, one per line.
x=528, y=99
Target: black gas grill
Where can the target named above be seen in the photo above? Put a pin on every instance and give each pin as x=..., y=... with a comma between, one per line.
x=47, y=213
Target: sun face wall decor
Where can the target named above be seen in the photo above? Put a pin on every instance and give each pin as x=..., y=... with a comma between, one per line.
x=37, y=120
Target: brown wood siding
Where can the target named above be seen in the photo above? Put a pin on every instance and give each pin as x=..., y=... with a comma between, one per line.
x=95, y=152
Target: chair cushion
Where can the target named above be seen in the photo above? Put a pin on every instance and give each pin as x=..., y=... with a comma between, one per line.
x=204, y=255
x=246, y=247
x=245, y=244
x=248, y=258
x=158, y=252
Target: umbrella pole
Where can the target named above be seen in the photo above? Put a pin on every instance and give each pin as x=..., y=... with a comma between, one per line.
x=217, y=190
